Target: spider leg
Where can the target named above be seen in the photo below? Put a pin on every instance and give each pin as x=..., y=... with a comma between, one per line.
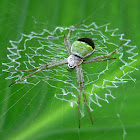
x=103, y=56
x=79, y=95
x=40, y=68
x=33, y=73
x=66, y=45
x=80, y=80
x=25, y=70
x=84, y=94
x=96, y=60
x=67, y=39
x=85, y=100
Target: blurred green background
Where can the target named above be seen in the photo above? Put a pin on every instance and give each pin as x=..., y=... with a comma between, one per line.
x=60, y=121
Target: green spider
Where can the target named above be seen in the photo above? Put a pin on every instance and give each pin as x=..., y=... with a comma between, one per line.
x=78, y=51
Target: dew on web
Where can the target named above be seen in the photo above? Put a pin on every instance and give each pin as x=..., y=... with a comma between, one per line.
x=35, y=49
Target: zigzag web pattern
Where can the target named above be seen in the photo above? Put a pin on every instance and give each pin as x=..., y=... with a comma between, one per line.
x=35, y=49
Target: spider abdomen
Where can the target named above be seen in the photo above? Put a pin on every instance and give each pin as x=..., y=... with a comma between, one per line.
x=83, y=47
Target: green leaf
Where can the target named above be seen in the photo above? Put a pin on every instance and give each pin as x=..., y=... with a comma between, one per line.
x=31, y=111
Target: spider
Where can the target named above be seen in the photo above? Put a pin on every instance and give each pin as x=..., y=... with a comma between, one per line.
x=78, y=51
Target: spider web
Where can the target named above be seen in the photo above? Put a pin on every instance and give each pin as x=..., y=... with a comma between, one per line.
x=35, y=49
